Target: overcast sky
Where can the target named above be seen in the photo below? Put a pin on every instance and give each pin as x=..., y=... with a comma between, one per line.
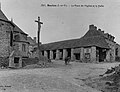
x=65, y=22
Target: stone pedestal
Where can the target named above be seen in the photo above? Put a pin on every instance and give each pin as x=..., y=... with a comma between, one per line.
x=51, y=54
x=57, y=54
x=93, y=55
x=64, y=54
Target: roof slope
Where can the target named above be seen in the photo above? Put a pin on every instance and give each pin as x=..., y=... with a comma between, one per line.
x=81, y=42
x=2, y=16
x=18, y=29
x=92, y=33
x=93, y=37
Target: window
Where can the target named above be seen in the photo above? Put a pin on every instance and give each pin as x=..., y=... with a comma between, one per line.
x=17, y=38
x=11, y=38
x=23, y=47
x=16, y=59
x=116, y=51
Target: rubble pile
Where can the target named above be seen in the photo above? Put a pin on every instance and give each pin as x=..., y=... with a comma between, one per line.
x=112, y=77
x=107, y=82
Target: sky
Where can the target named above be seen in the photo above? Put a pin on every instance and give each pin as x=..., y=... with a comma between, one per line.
x=64, y=22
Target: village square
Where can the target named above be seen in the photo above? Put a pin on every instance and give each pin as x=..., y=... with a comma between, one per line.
x=89, y=63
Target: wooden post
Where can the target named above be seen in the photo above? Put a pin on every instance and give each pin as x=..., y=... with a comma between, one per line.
x=39, y=27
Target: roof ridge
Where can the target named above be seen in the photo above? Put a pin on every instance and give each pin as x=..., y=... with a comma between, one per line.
x=93, y=32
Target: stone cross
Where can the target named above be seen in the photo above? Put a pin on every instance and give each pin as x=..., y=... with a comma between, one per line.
x=39, y=27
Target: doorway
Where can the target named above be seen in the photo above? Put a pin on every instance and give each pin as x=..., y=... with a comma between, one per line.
x=101, y=54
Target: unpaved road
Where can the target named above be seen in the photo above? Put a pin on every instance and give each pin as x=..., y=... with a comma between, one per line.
x=61, y=78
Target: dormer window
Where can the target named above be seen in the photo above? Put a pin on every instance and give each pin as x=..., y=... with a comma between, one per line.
x=17, y=38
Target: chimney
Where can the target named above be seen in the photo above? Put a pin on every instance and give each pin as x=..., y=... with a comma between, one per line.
x=34, y=39
x=102, y=31
x=106, y=35
x=109, y=36
x=95, y=27
x=113, y=38
x=99, y=29
x=91, y=27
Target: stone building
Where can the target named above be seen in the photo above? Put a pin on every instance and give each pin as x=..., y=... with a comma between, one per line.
x=94, y=46
x=32, y=45
x=13, y=42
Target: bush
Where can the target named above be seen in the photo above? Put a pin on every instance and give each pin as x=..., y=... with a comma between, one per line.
x=4, y=62
x=117, y=58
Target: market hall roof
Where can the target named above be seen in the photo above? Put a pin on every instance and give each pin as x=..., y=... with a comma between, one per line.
x=93, y=37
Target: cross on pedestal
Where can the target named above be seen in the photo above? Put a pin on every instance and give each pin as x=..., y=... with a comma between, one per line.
x=39, y=27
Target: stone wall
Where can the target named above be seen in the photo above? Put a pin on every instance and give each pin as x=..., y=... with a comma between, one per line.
x=111, y=52
x=5, y=29
x=23, y=53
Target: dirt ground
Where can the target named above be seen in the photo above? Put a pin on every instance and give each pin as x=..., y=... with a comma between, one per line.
x=59, y=78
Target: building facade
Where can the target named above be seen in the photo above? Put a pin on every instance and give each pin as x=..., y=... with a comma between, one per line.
x=13, y=42
x=94, y=46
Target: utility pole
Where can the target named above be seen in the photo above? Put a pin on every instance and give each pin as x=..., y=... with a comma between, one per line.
x=39, y=27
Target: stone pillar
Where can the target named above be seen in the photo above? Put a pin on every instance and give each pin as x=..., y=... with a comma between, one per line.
x=93, y=55
x=72, y=54
x=45, y=53
x=41, y=53
x=20, y=62
x=108, y=55
x=11, y=62
x=82, y=54
x=51, y=54
x=64, y=54
x=114, y=54
x=57, y=54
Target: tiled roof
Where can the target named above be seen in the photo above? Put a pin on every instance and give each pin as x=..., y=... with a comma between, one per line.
x=91, y=38
x=92, y=33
